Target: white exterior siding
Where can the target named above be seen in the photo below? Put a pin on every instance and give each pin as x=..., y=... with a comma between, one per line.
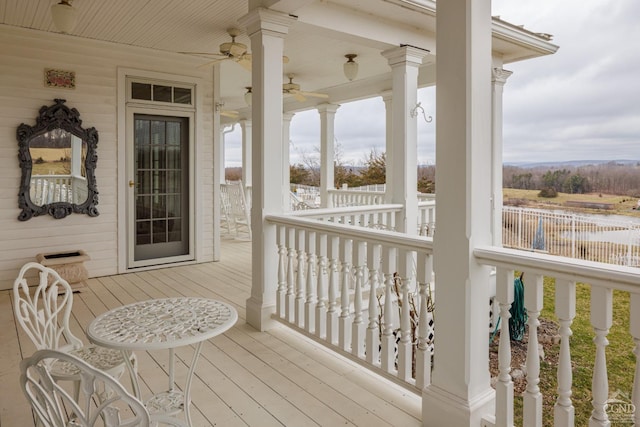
x=24, y=54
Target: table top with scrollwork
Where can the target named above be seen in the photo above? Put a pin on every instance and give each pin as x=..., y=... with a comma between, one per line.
x=162, y=323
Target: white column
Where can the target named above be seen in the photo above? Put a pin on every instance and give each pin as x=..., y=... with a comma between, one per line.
x=245, y=126
x=327, y=151
x=221, y=158
x=460, y=393
x=404, y=62
x=218, y=153
x=499, y=78
x=286, y=160
x=266, y=30
x=386, y=98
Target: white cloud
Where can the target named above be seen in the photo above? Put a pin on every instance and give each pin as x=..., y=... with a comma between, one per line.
x=580, y=103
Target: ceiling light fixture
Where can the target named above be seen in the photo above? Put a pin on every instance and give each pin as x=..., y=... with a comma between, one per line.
x=248, y=95
x=350, y=67
x=64, y=16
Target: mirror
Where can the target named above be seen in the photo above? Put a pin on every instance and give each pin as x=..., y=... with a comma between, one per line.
x=58, y=160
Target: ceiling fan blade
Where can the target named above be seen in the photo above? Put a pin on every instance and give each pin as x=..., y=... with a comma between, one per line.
x=245, y=61
x=215, y=61
x=297, y=95
x=245, y=64
x=315, y=94
x=207, y=54
x=230, y=114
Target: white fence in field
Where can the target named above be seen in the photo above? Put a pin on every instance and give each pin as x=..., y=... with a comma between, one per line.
x=587, y=237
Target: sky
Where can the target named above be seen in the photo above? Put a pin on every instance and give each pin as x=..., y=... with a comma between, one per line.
x=582, y=103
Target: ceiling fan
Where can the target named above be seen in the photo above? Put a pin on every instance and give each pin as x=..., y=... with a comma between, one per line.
x=292, y=88
x=231, y=114
x=232, y=50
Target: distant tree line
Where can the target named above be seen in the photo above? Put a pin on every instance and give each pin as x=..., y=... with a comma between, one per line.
x=371, y=171
x=609, y=178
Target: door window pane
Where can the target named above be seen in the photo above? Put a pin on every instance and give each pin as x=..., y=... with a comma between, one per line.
x=173, y=133
x=141, y=91
x=181, y=95
x=173, y=206
x=143, y=232
x=160, y=231
x=160, y=206
x=162, y=93
x=175, y=230
x=143, y=207
x=157, y=132
x=173, y=157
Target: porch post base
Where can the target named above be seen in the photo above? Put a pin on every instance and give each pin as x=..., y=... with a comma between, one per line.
x=259, y=314
x=441, y=408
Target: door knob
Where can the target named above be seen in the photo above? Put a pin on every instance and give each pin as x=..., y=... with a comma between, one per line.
x=131, y=183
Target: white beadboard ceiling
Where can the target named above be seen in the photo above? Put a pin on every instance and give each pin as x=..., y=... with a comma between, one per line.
x=326, y=30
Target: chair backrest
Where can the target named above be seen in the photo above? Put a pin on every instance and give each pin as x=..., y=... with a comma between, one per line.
x=237, y=209
x=43, y=310
x=102, y=401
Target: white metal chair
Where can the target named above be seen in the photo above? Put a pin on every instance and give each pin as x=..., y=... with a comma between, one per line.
x=102, y=401
x=44, y=315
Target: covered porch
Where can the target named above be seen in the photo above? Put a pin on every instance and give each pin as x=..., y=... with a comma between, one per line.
x=322, y=275
x=243, y=377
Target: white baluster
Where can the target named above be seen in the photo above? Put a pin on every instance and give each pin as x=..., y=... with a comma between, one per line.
x=634, y=328
x=563, y=411
x=532, y=399
x=601, y=320
x=504, y=386
x=310, y=303
x=300, y=283
x=332, y=311
x=291, y=282
x=388, y=360
x=344, y=329
x=405, y=346
x=373, y=328
x=423, y=355
x=358, y=326
x=321, y=307
x=423, y=351
x=282, y=272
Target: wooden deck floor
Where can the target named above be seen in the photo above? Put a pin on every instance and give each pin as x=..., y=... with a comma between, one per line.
x=244, y=377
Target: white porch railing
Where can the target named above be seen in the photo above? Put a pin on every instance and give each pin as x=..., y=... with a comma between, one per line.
x=344, y=197
x=572, y=235
x=381, y=217
x=362, y=292
x=378, y=216
x=603, y=279
x=46, y=189
x=366, y=294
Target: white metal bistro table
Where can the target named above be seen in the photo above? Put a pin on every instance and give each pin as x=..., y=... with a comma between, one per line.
x=158, y=324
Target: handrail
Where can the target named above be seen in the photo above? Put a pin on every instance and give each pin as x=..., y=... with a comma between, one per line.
x=610, y=275
x=375, y=236
x=347, y=210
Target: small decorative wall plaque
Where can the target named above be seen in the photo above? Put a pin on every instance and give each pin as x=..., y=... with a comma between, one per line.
x=59, y=78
